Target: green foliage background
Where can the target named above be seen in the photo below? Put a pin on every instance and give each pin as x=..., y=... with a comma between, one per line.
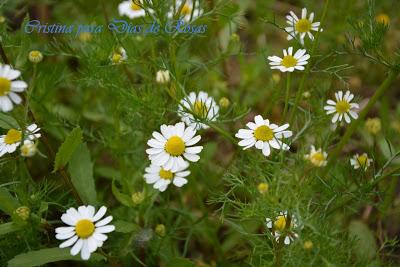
x=97, y=117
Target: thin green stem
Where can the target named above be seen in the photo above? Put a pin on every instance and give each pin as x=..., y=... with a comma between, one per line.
x=223, y=132
x=288, y=81
x=308, y=67
x=349, y=132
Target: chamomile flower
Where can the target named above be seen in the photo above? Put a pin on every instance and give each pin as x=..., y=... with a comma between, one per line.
x=290, y=62
x=342, y=107
x=202, y=105
x=13, y=138
x=28, y=149
x=186, y=11
x=9, y=88
x=118, y=56
x=173, y=145
x=301, y=26
x=132, y=9
x=317, y=157
x=85, y=231
x=361, y=161
x=264, y=135
x=161, y=178
x=279, y=227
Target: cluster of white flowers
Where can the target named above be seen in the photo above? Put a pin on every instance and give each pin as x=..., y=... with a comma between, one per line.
x=182, y=9
x=15, y=137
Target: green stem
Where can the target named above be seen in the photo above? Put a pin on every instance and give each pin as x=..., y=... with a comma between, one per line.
x=390, y=195
x=349, y=132
x=308, y=67
x=288, y=80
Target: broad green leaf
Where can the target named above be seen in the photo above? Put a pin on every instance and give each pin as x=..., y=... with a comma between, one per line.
x=67, y=148
x=8, y=122
x=43, y=256
x=121, y=197
x=7, y=202
x=81, y=170
x=124, y=227
x=180, y=262
x=365, y=246
x=9, y=227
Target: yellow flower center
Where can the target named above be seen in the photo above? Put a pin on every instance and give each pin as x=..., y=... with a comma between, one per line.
x=262, y=188
x=280, y=223
x=135, y=6
x=303, y=25
x=383, y=18
x=186, y=10
x=13, y=136
x=200, y=109
x=5, y=86
x=289, y=61
x=362, y=160
x=264, y=133
x=317, y=157
x=342, y=106
x=166, y=175
x=175, y=146
x=116, y=58
x=84, y=228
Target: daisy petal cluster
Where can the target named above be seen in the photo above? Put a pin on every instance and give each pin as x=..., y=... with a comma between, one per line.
x=85, y=231
x=342, y=108
x=132, y=9
x=290, y=62
x=283, y=227
x=161, y=178
x=9, y=87
x=14, y=137
x=202, y=105
x=317, y=157
x=361, y=161
x=169, y=153
x=301, y=26
x=186, y=10
x=264, y=135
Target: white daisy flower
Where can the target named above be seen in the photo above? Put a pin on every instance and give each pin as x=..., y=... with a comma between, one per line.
x=12, y=140
x=9, y=88
x=302, y=26
x=342, y=107
x=132, y=9
x=161, y=178
x=169, y=148
x=279, y=226
x=85, y=231
x=28, y=149
x=162, y=77
x=264, y=135
x=186, y=11
x=290, y=62
x=118, y=56
x=317, y=157
x=202, y=105
x=361, y=161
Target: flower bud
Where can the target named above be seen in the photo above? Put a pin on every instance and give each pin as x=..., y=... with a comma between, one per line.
x=23, y=213
x=224, y=102
x=35, y=56
x=137, y=198
x=308, y=245
x=373, y=125
x=162, y=76
x=262, y=188
x=160, y=230
x=28, y=149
